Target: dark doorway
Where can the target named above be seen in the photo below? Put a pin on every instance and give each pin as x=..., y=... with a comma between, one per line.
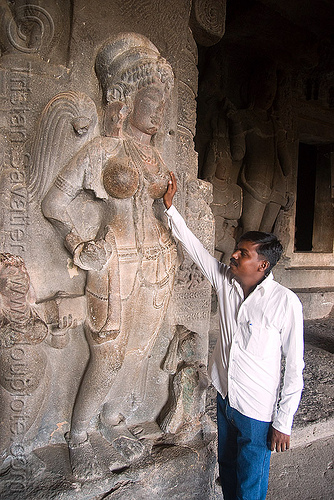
x=314, y=207
x=307, y=167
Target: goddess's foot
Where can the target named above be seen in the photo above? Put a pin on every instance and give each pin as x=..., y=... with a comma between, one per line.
x=122, y=440
x=84, y=463
x=130, y=448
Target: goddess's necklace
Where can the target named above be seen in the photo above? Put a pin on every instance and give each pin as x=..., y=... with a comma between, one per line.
x=141, y=154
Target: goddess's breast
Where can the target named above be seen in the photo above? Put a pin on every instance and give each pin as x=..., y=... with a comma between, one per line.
x=157, y=184
x=120, y=178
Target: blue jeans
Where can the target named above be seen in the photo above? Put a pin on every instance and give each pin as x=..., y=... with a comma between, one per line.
x=243, y=454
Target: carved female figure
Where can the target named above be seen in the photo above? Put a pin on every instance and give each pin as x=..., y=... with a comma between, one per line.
x=131, y=261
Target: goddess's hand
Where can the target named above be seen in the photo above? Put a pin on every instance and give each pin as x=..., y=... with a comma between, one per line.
x=92, y=255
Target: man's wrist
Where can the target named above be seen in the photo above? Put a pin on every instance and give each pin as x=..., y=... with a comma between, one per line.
x=170, y=209
x=284, y=429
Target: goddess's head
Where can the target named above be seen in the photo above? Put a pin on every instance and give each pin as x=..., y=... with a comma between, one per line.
x=131, y=71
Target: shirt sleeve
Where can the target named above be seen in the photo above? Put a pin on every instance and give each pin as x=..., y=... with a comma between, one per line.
x=293, y=351
x=210, y=267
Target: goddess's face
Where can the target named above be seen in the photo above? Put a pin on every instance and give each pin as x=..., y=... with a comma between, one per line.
x=148, y=108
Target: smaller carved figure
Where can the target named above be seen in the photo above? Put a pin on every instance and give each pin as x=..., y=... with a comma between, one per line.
x=18, y=320
x=199, y=196
x=24, y=367
x=185, y=408
x=23, y=361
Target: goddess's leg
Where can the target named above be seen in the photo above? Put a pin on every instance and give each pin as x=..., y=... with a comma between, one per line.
x=104, y=362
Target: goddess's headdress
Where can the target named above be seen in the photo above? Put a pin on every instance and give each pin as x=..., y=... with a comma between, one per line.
x=128, y=62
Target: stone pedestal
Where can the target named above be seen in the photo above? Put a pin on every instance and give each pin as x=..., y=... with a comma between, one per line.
x=171, y=471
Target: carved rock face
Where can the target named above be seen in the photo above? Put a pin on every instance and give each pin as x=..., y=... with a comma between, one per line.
x=13, y=281
x=22, y=368
x=107, y=247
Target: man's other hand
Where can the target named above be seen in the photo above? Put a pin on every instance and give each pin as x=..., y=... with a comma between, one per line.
x=279, y=441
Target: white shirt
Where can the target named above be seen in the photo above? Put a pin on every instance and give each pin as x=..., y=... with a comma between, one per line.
x=255, y=332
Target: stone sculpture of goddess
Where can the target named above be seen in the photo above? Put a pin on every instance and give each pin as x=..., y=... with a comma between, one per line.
x=131, y=260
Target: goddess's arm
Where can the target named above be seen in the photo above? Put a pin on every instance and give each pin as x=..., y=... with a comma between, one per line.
x=62, y=192
x=83, y=172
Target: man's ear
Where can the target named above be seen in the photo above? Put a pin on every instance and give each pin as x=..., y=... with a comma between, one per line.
x=264, y=265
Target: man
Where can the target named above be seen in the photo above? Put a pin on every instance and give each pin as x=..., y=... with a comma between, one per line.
x=259, y=321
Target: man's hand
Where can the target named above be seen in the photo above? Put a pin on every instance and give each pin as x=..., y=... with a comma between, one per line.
x=171, y=190
x=279, y=441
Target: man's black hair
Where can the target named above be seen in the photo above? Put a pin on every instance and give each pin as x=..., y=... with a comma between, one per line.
x=268, y=247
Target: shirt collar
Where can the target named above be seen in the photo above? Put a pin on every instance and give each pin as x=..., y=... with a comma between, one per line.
x=263, y=287
x=266, y=284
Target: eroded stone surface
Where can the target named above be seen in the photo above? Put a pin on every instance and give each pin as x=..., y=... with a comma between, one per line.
x=56, y=110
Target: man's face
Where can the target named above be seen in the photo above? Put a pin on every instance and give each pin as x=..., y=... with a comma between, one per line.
x=246, y=264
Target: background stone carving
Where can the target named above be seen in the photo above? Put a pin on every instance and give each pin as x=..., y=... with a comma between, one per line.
x=28, y=334
x=246, y=142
